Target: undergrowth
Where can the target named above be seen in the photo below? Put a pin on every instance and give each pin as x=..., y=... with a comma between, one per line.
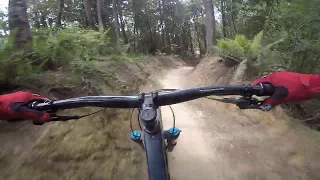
x=262, y=57
x=55, y=48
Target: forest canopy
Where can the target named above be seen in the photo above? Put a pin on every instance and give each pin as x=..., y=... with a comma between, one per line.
x=272, y=34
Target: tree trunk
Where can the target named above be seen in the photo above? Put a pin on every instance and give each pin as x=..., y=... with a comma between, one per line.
x=181, y=44
x=210, y=24
x=161, y=8
x=84, y=16
x=35, y=11
x=223, y=15
x=122, y=24
x=168, y=43
x=134, y=37
x=18, y=23
x=95, y=9
x=191, y=45
x=43, y=20
x=232, y=17
x=115, y=19
x=50, y=21
x=60, y=11
x=150, y=30
x=37, y=23
x=190, y=39
x=101, y=16
x=87, y=7
x=167, y=31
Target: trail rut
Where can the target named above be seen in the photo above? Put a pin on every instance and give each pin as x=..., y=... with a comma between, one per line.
x=219, y=141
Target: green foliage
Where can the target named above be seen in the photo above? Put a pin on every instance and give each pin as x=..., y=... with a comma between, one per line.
x=299, y=19
x=13, y=65
x=4, y=27
x=64, y=46
x=256, y=44
x=52, y=49
x=241, y=48
x=263, y=57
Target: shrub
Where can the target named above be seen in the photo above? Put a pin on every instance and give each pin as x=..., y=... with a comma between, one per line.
x=299, y=19
x=64, y=46
x=262, y=57
x=52, y=48
x=13, y=64
x=241, y=48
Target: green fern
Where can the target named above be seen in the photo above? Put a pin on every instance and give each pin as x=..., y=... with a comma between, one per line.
x=255, y=48
x=51, y=46
x=241, y=48
x=232, y=47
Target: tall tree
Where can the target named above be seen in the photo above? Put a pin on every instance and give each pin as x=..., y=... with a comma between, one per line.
x=18, y=23
x=210, y=23
x=233, y=12
x=122, y=24
x=101, y=15
x=87, y=7
x=59, y=14
x=34, y=9
x=116, y=19
x=223, y=18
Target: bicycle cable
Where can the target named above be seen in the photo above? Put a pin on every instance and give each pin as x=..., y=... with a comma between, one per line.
x=215, y=99
x=132, y=111
x=174, y=117
x=67, y=118
x=131, y=117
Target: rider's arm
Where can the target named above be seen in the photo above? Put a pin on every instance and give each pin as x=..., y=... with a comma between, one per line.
x=14, y=106
x=291, y=87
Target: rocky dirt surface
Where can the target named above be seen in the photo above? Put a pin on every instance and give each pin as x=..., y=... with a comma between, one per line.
x=219, y=141
x=95, y=147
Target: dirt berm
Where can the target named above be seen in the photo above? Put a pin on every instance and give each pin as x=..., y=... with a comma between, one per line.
x=96, y=147
x=249, y=144
x=218, y=141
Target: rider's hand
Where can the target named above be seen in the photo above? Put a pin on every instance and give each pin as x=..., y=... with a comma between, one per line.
x=290, y=87
x=14, y=107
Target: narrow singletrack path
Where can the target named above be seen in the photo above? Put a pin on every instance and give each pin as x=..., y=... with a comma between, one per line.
x=220, y=142
x=193, y=155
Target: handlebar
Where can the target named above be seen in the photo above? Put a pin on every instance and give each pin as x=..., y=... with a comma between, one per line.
x=195, y=93
x=96, y=101
x=159, y=99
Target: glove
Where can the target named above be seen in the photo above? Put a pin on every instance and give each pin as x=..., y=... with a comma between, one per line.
x=290, y=87
x=14, y=106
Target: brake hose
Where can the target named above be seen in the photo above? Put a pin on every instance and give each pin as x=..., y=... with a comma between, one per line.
x=67, y=118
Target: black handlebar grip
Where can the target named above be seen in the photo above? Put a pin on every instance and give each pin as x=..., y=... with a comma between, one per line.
x=268, y=89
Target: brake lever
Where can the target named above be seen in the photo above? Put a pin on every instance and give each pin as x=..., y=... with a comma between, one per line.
x=231, y=100
x=33, y=105
x=241, y=102
x=251, y=106
x=64, y=118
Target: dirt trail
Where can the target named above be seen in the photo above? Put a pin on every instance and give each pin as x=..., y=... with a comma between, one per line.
x=219, y=141
x=193, y=156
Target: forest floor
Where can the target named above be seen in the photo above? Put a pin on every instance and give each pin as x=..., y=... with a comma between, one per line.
x=218, y=141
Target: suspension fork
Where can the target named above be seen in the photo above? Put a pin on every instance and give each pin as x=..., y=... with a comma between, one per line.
x=171, y=136
x=150, y=116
